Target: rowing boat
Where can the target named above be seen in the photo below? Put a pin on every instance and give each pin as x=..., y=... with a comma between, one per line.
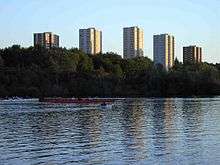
x=77, y=101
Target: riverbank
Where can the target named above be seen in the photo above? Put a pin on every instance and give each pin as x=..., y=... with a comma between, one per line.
x=71, y=99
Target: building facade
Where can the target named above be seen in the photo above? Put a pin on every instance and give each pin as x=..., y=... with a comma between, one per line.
x=192, y=54
x=164, y=50
x=47, y=40
x=133, y=42
x=90, y=41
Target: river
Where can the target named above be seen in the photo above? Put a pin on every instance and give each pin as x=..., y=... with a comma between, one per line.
x=134, y=131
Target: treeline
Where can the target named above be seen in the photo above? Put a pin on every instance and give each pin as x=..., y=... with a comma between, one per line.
x=37, y=72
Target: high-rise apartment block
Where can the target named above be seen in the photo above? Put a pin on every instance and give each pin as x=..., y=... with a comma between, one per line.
x=192, y=55
x=133, y=42
x=47, y=40
x=90, y=41
x=164, y=50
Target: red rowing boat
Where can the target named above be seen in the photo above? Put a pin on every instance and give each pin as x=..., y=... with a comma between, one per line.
x=76, y=101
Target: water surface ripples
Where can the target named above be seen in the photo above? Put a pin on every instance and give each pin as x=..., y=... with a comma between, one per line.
x=134, y=131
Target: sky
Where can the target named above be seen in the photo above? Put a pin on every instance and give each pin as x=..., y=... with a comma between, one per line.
x=192, y=22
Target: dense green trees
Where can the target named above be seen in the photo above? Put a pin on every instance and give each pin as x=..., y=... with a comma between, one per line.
x=36, y=72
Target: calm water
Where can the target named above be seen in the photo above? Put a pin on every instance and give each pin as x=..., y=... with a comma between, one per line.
x=134, y=131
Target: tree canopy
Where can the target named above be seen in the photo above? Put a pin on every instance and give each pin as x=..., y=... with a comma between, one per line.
x=36, y=72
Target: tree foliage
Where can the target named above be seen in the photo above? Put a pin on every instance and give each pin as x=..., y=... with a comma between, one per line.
x=35, y=72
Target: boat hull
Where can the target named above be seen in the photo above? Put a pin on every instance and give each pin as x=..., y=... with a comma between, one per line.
x=75, y=101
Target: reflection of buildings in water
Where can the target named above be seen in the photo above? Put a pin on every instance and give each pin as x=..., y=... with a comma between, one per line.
x=169, y=107
x=162, y=119
x=169, y=120
x=134, y=129
x=163, y=115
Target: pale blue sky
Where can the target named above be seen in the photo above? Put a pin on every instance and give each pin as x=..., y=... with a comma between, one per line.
x=190, y=21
